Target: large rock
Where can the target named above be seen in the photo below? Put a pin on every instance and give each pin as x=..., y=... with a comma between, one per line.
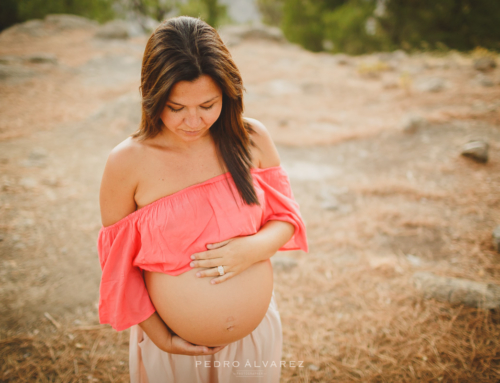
x=41, y=58
x=37, y=58
x=485, y=63
x=8, y=72
x=484, y=80
x=51, y=24
x=114, y=29
x=458, y=290
x=391, y=56
x=342, y=59
x=11, y=60
x=477, y=150
x=496, y=238
x=65, y=22
x=234, y=34
x=434, y=84
x=412, y=122
x=33, y=27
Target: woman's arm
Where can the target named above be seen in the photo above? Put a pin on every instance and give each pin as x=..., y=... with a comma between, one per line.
x=269, y=239
x=118, y=186
x=158, y=332
x=167, y=341
x=274, y=234
x=242, y=252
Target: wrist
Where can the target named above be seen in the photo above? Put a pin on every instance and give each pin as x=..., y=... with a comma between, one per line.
x=271, y=237
x=158, y=332
x=259, y=249
x=166, y=344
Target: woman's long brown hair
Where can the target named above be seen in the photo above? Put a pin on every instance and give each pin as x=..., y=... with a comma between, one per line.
x=182, y=49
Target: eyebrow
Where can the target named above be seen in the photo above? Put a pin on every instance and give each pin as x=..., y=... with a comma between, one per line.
x=200, y=104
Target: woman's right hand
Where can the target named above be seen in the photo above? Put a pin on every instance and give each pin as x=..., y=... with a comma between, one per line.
x=183, y=347
x=168, y=341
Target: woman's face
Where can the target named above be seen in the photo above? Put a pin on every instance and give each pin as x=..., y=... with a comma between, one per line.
x=192, y=108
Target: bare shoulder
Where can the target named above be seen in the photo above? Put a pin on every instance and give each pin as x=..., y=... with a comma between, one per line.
x=119, y=181
x=268, y=154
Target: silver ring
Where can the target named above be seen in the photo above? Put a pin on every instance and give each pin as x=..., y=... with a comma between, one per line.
x=221, y=270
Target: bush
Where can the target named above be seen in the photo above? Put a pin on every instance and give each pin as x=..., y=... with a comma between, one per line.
x=271, y=11
x=301, y=23
x=334, y=25
x=353, y=26
x=347, y=30
x=456, y=24
x=15, y=11
x=210, y=11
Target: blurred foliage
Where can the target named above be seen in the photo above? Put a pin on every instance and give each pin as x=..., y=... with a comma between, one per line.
x=301, y=23
x=456, y=24
x=16, y=11
x=156, y=9
x=351, y=28
x=271, y=11
x=479, y=52
x=210, y=11
x=360, y=26
x=372, y=69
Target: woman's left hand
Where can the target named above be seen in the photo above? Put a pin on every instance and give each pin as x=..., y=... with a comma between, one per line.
x=234, y=254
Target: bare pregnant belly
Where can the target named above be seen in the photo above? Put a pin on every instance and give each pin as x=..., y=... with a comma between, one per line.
x=212, y=315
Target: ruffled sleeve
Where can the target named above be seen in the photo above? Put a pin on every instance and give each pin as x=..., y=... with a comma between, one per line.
x=123, y=298
x=280, y=205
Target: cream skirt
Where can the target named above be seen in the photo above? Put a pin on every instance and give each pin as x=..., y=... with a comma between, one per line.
x=253, y=359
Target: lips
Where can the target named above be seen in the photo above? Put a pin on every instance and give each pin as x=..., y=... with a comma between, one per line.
x=192, y=131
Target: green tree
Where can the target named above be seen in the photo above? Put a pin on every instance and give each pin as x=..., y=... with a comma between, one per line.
x=152, y=8
x=14, y=11
x=346, y=28
x=407, y=24
x=302, y=24
x=271, y=11
x=303, y=21
x=8, y=13
x=211, y=11
x=457, y=24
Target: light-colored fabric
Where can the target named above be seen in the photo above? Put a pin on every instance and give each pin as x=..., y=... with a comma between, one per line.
x=161, y=236
x=253, y=359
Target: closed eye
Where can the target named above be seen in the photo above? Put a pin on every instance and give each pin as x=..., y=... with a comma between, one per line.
x=174, y=110
x=178, y=110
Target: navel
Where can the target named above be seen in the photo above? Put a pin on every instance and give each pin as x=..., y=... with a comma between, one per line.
x=230, y=323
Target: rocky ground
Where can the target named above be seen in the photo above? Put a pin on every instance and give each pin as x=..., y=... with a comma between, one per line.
x=372, y=145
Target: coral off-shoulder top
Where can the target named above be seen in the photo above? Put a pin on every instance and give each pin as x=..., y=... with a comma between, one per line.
x=162, y=236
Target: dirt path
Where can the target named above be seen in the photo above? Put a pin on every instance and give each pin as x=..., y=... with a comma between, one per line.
x=379, y=204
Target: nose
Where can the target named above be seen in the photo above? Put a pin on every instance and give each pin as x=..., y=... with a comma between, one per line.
x=192, y=121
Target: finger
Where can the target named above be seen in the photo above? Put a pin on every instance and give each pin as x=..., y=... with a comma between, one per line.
x=210, y=272
x=187, y=347
x=223, y=278
x=205, y=350
x=207, y=263
x=212, y=246
x=204, y=255
x=214, y=350
x=217, y=349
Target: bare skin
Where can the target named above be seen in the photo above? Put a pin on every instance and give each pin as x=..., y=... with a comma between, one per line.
x=138, y=173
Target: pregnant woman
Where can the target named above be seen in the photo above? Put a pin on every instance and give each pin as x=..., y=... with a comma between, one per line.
x=193, y=206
